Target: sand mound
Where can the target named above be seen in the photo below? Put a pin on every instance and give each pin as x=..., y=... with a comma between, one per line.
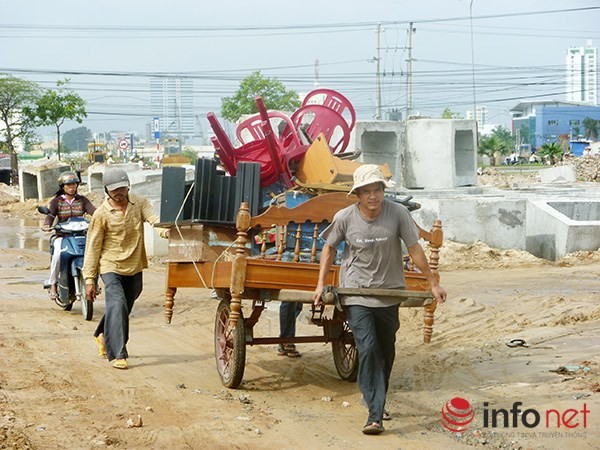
x=480, y=256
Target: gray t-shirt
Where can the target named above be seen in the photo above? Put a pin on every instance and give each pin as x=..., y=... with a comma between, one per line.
x=372, y=256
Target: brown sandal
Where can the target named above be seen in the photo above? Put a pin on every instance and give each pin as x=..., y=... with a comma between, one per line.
x=288, y=350
x=373, y=428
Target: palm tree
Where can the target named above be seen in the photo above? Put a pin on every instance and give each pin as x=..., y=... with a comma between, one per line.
x=553, y=151
x=491, y=146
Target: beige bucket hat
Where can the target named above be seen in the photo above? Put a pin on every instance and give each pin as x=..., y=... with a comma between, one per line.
x=367, y=174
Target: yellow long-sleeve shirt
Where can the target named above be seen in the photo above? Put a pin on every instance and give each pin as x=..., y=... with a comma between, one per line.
x=115, y=241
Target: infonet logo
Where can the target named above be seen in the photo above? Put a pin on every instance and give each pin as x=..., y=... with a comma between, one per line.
x=458, y=413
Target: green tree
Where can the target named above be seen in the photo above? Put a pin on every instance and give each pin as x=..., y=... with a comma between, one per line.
x=591, y=128
x=272, y=91
x=448, y=114
x=190, y=154
x=15, y=94
x=504, y=135
x=552, y=150
x=77, y=139
x=56, y=106
x=488, y=145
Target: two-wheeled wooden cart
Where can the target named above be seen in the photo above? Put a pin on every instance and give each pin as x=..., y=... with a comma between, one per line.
x=221, y=258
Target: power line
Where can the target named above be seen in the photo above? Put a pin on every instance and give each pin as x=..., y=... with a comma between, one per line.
x=324, y=26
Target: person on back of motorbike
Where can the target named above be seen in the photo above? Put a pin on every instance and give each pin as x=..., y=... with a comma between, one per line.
x=65, y=204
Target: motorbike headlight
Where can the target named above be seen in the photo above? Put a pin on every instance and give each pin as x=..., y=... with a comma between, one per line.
x=75, y=226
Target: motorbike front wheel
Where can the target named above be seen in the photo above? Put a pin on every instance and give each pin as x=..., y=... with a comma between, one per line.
x=87, y=307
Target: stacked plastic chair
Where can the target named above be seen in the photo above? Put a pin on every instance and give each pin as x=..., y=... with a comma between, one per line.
x=323, y=111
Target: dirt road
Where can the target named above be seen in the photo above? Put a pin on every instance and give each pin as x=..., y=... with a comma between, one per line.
x=56, y=393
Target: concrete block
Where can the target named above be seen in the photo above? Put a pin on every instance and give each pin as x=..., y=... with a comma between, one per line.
x=380, y=142
x=557, y=228
x=96, y=174
x=440, y=154
x=39, y=179
x=559, y=174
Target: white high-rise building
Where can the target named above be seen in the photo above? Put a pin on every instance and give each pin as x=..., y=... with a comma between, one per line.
x=582, y=74
x=172, y=101
x=481, y=115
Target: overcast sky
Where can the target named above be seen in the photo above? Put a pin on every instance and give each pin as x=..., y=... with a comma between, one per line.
x=110, y=50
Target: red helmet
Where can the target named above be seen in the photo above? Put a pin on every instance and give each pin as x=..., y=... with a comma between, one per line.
x=68, y=178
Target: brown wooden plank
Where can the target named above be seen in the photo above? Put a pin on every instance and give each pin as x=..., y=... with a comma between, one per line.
x=317, y=209
x=265, y=274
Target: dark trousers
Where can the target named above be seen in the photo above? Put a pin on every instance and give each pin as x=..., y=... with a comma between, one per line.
x=288, y=313
x=374, y=331
x=120, y=292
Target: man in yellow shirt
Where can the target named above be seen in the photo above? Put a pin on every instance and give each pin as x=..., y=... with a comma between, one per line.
x=115, y=250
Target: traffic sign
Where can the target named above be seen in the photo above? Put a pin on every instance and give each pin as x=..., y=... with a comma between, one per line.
x=124, y=144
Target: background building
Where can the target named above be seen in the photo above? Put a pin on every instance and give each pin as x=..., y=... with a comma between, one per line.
x=539, y=122
x=481, y=115
x=582, y=74
x=172, y=101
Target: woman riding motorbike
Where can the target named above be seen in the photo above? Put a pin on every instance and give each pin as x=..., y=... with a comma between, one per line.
x=66, y=204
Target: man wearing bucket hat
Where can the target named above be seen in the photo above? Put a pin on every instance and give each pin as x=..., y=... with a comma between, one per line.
x=115, y=250
x=372, y=231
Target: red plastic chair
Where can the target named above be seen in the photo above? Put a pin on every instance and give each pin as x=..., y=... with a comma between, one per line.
x=222, y=145
x=263, y=151
x=251, y=128
x=333, y=100
x=289, y=140
x=321, y=119
x=258, y=151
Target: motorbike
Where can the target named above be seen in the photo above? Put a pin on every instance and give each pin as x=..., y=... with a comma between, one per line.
x=71, y=283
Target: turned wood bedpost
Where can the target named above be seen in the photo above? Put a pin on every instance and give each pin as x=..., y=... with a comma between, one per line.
x=281, y=245
x=238, y=266
x=263, y=245
x=437, y=237
x=169, y=302
x=297, y=246
x=313, y=249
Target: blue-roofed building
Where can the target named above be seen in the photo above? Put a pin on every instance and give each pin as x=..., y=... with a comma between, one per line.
x=539, y=122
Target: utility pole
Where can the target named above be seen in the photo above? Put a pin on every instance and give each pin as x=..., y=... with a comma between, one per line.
x=178, y=115
x=378, y=77
x=473, y=63
x=409, y=102
x=316, y=73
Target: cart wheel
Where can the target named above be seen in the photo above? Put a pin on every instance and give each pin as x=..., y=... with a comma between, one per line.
x=345, y=355
x=230, y=347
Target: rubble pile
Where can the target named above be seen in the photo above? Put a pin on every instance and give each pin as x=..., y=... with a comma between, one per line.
x=587, y=168
x=8, y=194
x=490, y=176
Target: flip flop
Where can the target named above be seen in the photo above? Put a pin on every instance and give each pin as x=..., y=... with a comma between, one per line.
x=517, y=343
x=373, y=428
x=120, y=364
x=101, y=346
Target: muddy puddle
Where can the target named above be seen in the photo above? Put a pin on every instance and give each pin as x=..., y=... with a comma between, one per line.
x=23, y=234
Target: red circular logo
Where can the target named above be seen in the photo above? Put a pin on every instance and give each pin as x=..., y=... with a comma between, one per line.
x=457, y=414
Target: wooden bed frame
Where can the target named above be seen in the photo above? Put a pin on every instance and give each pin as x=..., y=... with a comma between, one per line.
x=216, y=257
